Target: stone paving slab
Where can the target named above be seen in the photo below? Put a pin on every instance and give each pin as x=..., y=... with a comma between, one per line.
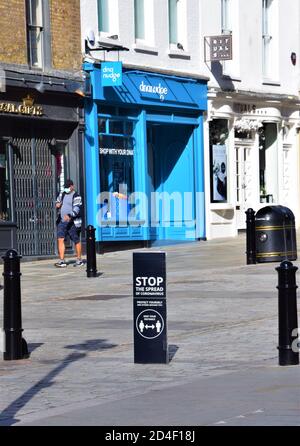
x=222, y=323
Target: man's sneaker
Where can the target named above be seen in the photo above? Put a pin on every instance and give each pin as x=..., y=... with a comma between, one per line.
x=78, y=263
x=61, y=264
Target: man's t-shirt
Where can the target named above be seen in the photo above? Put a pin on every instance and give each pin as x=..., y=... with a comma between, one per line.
x=67, y=207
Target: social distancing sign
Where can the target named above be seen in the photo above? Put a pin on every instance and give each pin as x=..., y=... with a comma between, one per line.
x=150, y=309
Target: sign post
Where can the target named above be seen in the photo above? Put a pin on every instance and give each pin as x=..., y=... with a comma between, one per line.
x=149, y=308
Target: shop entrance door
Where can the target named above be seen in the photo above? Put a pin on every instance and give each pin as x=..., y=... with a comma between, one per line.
x=243, y=184
x=34, y=176
x=173, y=182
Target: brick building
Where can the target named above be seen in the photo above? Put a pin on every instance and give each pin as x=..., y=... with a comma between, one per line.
x=40, y=118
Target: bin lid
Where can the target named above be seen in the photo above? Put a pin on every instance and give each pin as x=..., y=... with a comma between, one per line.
x=275, y=215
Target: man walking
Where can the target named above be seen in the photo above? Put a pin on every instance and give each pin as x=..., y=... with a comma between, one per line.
x=69, y=221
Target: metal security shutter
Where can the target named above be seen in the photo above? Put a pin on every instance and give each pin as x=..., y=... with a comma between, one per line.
x=35, y=193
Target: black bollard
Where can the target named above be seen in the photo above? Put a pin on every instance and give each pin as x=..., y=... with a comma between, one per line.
x=287, y=312
x=91, y=252
x=250, y=237
x=15, y=345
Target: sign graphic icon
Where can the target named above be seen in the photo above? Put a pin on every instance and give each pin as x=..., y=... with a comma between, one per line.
x=149, y=324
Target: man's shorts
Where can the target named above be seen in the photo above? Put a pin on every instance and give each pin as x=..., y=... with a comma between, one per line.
x=64, y=228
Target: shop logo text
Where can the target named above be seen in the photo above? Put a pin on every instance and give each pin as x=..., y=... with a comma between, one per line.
x=27, y=108
x=154, y=89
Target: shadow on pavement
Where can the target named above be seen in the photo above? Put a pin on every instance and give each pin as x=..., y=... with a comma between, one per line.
x=33, y=346
x=172, y=351
x=8, y=415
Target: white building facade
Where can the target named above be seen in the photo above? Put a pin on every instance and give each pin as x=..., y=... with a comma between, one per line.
x=251, y=140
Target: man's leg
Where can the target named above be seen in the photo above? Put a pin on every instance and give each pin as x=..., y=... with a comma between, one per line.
x=61, y=233
x=75, y=237
x=61, y=248
x=78, y=250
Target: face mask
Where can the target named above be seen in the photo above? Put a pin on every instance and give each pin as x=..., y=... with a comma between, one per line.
x=67, y=191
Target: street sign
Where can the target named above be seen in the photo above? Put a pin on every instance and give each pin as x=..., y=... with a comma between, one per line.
x=149, y=308
x=218, y=48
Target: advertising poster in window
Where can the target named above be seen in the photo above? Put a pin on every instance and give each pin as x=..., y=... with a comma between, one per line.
x=219, y=173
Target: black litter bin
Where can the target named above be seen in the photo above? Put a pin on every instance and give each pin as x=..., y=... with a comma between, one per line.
x=275, y=234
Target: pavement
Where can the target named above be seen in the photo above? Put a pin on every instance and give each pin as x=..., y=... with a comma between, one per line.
x=222, y=337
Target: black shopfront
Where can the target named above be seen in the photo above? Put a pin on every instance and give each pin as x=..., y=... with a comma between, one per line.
x=41, y=137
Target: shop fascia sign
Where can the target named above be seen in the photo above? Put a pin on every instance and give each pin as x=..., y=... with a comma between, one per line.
x=27, y=108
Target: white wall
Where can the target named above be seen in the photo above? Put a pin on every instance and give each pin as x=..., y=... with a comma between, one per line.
x=204, y=19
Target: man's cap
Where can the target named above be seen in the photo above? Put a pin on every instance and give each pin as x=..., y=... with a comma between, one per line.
x=69, y=183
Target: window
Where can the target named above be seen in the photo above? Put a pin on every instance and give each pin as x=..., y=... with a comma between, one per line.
x=177, y=24
x=117, y=147
x=35, y=33
x=269, y=38
x=144, y=22
x=139, y=16
x=103, y=16
x=218, y=134
x=5, y=207
x=225, y=18
x=108, y=18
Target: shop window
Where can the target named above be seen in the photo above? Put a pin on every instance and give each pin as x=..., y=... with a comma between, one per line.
x=218, y=134
x=117, y=148
x=5, y=201
x=268, y=163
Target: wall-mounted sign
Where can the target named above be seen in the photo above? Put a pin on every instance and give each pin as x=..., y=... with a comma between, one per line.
x=111, y=74
x=218, y=48
x=27, y=108
x=245, y=108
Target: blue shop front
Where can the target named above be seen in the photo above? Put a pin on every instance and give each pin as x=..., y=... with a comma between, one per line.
x=144, y=157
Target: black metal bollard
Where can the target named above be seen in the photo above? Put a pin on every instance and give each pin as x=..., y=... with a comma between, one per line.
x=15, y=346
x=250, y=237
x=287, y=312
x=91, y=252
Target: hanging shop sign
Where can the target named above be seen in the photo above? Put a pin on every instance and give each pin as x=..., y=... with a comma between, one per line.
x=26, y=108
x=111, y=74
x=218, y=48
